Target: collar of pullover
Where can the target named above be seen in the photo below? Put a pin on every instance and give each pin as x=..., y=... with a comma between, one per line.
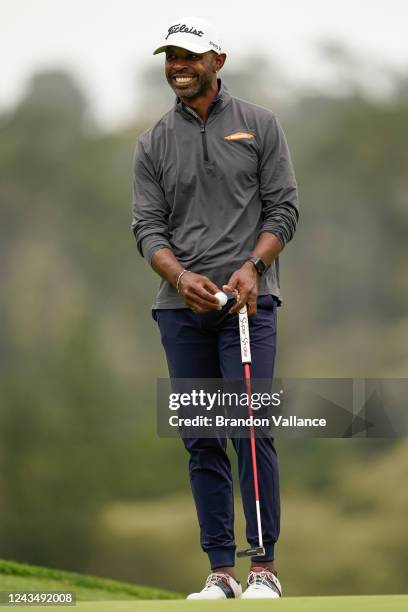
x=220, y=101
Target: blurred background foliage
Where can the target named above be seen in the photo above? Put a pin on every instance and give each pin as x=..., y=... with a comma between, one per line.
x=85, y=484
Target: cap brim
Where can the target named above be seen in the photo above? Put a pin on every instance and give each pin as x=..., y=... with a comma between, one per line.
x=181, y=42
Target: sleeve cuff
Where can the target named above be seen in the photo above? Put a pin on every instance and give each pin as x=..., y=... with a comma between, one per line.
x=150, y=244
x=280, y=235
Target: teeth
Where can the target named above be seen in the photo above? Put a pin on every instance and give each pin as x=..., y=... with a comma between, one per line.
x=184, y=79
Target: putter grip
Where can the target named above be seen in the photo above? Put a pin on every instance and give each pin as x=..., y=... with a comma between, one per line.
x=244, y=335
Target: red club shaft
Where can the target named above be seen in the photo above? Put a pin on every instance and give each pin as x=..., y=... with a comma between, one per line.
x=247, y=375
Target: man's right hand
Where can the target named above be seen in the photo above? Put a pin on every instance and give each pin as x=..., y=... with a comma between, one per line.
x=198, y=291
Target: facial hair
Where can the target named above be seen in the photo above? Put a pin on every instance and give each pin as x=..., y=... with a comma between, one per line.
x=197, y=88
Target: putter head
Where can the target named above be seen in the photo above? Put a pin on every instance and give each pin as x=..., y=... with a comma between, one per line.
x=251, y=552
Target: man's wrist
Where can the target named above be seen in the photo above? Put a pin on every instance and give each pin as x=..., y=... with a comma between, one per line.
x=259, y=265
x=179, y=277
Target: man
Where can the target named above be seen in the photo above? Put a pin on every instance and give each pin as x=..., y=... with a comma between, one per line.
x=215, y=202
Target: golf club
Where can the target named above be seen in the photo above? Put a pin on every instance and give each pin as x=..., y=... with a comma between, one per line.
x=246, y=362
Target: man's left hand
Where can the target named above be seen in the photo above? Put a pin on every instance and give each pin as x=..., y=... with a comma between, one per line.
x=244, y=283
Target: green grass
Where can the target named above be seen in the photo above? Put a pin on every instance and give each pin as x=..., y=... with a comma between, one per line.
x=94, y=594
x=23, y=577
x=393, y=603
x=372, y=603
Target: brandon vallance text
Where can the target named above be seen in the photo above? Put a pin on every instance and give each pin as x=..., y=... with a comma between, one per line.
x=250, y=421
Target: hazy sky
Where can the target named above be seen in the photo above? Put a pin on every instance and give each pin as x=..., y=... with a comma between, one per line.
x=106, y=42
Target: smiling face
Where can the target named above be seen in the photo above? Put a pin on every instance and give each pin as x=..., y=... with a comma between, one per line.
x=189, y=74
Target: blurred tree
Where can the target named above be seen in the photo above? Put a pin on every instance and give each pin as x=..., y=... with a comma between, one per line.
x=50, y=95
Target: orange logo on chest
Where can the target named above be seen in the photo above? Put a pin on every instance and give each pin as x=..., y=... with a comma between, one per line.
x=239, y=136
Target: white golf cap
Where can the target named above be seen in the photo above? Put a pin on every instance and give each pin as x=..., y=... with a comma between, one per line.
x=191, y=33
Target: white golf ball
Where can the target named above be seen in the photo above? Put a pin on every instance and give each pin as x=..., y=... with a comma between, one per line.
x=221, y=297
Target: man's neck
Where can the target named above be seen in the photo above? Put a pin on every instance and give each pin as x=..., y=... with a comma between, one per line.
x=201, y=104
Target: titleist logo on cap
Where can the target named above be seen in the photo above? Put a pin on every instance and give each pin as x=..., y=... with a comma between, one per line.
x=183, y=28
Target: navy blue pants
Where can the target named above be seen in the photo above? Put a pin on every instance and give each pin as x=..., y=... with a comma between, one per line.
x=207, y=346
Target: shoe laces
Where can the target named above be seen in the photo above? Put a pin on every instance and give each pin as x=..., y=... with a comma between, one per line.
x=263, y=577
x=214, y=578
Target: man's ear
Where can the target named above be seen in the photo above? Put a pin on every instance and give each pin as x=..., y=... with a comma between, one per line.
x=220, y=60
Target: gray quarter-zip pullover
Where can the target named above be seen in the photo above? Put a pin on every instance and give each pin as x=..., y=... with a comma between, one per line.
x=207, y=190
